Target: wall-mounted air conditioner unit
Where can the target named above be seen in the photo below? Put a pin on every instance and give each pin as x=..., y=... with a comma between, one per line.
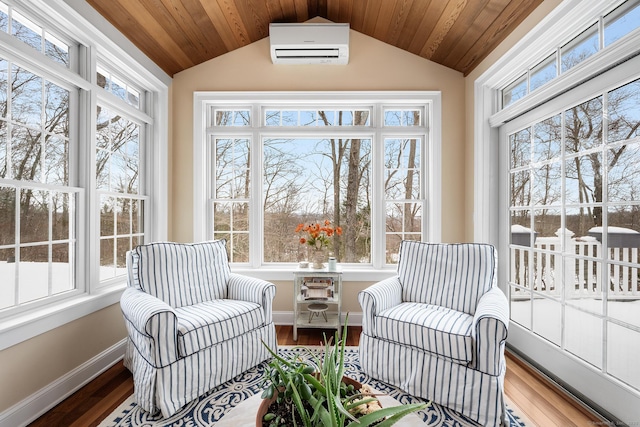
x=310, y=43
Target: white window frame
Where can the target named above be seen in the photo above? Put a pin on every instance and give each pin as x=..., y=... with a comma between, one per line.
x=76, y=20
x=431, y=181
x=566, y=21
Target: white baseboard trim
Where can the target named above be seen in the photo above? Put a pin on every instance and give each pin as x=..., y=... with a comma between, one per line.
x=29, y=409
x=286, y=318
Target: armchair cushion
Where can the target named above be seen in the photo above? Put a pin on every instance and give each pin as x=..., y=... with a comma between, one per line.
x=438, y=330
x=448, y=275
x=211, y=322
x=181, y=274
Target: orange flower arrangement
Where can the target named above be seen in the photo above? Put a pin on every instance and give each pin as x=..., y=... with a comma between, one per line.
x=317, y=236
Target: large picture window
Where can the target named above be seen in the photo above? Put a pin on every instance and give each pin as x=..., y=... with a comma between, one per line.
x=358, y=165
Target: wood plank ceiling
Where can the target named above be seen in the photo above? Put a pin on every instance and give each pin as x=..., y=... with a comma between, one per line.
x=178, y=34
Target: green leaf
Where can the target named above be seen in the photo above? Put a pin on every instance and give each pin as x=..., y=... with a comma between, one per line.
x=306, y=419
x=394, y=413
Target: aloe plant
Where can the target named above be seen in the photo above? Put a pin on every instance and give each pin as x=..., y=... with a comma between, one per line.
x=328, y=399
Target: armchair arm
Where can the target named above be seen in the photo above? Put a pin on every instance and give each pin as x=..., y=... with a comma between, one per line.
x=152, y=326
x=490, y=326
x=250, y=289
x=376, y=298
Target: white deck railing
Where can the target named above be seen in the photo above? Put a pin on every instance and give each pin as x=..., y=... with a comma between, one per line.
x=584, y=270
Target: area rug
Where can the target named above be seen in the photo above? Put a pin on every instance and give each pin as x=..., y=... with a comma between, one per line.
x=210, y=408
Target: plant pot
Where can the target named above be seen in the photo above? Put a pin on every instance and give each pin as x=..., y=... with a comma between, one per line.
x=265, y=403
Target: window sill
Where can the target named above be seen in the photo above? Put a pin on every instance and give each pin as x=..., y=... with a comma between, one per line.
x=350, y=273
x=23, y=326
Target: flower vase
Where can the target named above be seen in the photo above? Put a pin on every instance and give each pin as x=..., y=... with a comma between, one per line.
x=318, y=259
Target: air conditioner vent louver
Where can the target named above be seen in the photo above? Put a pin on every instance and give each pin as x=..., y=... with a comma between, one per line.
x=309, y=43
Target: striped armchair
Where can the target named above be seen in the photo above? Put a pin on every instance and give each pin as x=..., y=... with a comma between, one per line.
x=192, y=324
x=438, y=329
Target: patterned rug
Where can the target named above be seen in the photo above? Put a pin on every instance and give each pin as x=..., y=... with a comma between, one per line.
x=210, y=408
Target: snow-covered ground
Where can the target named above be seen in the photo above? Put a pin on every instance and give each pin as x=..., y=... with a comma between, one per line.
x=584, y=331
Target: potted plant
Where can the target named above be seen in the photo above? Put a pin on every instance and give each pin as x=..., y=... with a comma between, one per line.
x=317, y=237
x=314, y=390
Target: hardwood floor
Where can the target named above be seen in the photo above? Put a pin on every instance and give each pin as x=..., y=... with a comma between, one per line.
x=533, y=396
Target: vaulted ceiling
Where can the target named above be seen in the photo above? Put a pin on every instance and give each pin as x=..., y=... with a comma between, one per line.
x=178, y=34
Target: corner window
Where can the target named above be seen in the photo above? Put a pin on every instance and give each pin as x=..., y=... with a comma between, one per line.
x=76, y=169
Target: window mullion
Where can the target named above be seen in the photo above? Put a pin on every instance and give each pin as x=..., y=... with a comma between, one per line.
x=256, y=228
x=378, y=227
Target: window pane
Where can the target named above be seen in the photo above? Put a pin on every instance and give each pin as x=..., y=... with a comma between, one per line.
x=547, y=142
x=623, y=108
x=543, y=73
x=26, y=97
x=123, y=245
x=520, y=188
x=25, y=154
x=56, y=109
x=547, y=319
x=521, y=233
x=62, y=208
x=7, y=215
x=34, y=216
x=402, y=117
x=583, y=336
x=584, y=179
x=583, y=129
x=8, y=273
x=25, y=30
x=56, y=49
x=3, y=150
x=300, y=186
x=232, y=118
x=623, y=345
x=103, y=170
x=515, y=91
x=33, y=271
x=123, y=218
x=107, y=259
x=315, y=118
x=547, y=222
x=403, y=218
x=520, y=143
x=232, y=168
x=107, y=219
x=61, y=269
x=4, y=17
x=624, y=174
x=117, y=156
x=547, y=184
x=137, y=216
x=621, y=22
x=56, y=161
x=239, y=244
x=402, y=153
x=231, y=222
x=118, y=87
x=402, y=188
x=520, y=306
x=580, y=48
